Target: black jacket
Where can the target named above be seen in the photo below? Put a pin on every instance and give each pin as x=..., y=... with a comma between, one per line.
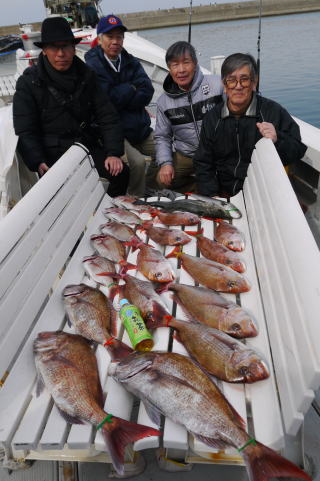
x=130, y=91
x=226, y=144
x=46, y=128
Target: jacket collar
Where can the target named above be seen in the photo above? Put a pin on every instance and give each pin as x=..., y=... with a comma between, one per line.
x=172, y=89
x=250, y=112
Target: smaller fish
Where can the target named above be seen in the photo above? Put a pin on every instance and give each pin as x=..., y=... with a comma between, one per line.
x=229, y=236
x=176, y=218
x=219, y=354
x=122, y=215
x=218, y=252
x=164, y=236
x=100, y=270
x=127, y=202
x=152, y=264
x=108, y=246
x=212, y=274
x=122, y=232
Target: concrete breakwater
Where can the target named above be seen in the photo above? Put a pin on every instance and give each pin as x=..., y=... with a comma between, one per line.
x=203, y=14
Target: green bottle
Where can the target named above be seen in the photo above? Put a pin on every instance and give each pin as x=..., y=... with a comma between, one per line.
x=139, y=335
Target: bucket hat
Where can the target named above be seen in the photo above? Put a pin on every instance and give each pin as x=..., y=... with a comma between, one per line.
x=109, y=23
x=56, y=29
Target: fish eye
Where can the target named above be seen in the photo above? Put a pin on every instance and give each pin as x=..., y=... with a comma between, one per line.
x=158, y=275
x=231, y=284
x=244, y=370
x=178, y=238
x=236, y=327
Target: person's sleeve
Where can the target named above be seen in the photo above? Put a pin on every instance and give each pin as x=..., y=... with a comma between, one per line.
x=26, y=121
x=108, y=120
x=143, y=89
x=163, y=138
x=288, y=144
x=204, y=162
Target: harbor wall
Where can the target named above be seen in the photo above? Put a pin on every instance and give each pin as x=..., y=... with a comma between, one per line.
x=202, y=14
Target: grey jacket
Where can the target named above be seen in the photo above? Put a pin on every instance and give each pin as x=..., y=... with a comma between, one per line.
x=180, y=114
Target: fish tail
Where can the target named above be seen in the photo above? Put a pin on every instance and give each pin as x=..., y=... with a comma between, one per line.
x=177, y=251
x=135, y=243
x=125, y=266
x=197, y=233
x=118, y=434
x=117, y=349
x=263, y=463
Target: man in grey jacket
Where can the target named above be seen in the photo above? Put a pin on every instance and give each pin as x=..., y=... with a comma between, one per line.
x=188, y=96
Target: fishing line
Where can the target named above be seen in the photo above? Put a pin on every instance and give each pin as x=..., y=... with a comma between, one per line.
x=258, y=46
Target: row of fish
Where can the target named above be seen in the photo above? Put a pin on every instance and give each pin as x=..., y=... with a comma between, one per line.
x=161, y=380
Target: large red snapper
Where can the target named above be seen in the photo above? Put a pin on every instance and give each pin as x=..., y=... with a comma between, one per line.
x=108, y=246
x=164, y=236
x=176, y=218
x=173, y=385
x=212, y=274
x=151, y=263
x=67, y=366
x=122, y=232
x=229, y=236
x=211, y=308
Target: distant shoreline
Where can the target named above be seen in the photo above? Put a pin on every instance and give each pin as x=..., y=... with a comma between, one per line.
x=202, y=14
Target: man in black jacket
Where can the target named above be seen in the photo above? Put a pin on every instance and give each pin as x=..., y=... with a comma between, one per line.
x=232, y=128
x=56, y=103
x=129, y=88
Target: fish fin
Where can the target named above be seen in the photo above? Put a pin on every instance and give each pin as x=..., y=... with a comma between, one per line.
x=197, y=233
x=70, y=419
x=120, y=433
x=40, y=384
x=263, y=463
x=69, y=321
x=175, y=253
x=153, y=412
x=125, y=266
x=135, y=243
x=118, y=350
x=163, y=287
x=214, y=443
x=105, y=274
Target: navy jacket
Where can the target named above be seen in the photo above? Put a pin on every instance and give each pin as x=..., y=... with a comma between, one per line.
x=130, y=90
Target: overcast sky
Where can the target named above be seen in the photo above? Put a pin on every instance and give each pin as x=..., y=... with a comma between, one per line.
x=19, y=11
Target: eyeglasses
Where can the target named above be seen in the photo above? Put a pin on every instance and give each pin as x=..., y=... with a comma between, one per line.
x=65, y=47
x=232, y=82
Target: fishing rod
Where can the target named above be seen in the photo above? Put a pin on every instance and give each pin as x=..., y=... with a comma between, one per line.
x=190, y=17
x=258, y=45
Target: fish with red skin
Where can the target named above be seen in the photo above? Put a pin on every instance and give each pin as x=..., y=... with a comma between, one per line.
x=229, y=236
x=173, y=385
x=176, y=218
x=164, y=236
x=212, y=309
x=122, y=215
x=67, y=366
x=212, y=274
x=218, y=252
x=122, y=232
x=108, y=246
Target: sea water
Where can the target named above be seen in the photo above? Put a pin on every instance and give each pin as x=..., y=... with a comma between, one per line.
x=290, y=59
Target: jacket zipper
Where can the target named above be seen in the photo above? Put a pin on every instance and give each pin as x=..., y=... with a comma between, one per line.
x=239, y=155
x=193, y=117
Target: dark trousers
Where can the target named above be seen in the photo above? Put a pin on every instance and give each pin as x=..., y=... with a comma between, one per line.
x=118, y=183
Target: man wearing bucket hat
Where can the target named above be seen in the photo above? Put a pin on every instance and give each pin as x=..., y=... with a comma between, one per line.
x=129, y=88
x=58, y=102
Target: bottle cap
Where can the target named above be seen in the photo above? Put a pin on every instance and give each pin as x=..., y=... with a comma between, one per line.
x=122, y=302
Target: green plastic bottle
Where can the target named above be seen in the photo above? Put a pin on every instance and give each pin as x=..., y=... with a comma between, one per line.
x=139, y=335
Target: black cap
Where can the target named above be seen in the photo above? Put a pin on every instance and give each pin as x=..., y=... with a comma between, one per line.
x=56, y=29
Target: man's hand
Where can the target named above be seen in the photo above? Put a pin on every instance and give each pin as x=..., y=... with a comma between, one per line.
x=166, y=174
x=113, y=165
x=42, y=169
x=267, y=130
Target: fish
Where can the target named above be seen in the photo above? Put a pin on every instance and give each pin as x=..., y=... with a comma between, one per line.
x=122, y=232
x=211, y=308
x=212, y=274
x=122, y=215
x=142, y=294
x=67, y=367
x=215, y=251
x=127, y=202
x=151, y=263
x=108, y=246
x=176, y=218
x=213, y=209
x=220, y=355
x=164, y=236
x=173, y=385
x=229, y=236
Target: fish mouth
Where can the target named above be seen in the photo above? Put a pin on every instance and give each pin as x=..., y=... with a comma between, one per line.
x=73, y=290
x=99, y=236
x=90, y=258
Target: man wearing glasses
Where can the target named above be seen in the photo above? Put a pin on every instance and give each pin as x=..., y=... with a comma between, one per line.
x=58, y=102
x=232, y=128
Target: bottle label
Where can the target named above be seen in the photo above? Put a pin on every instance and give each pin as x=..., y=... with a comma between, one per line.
x=134, y=325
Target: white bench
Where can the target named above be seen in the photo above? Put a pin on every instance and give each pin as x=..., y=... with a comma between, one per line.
x=37, y=260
